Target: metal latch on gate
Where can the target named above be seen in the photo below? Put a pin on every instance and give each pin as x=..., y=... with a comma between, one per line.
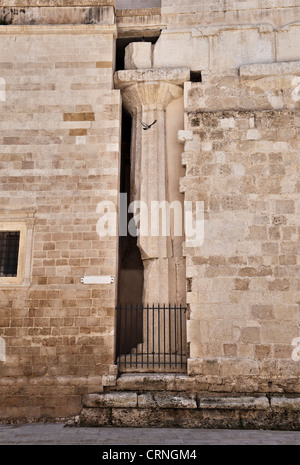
x=97, y=280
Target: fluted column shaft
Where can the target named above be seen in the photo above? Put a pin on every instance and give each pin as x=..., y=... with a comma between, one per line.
x=145, y=94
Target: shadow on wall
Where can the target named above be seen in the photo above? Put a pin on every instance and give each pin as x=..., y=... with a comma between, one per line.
x=135, y=4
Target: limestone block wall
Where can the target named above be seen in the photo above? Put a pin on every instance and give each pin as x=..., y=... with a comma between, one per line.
x=241, y=154
x=134, y=4
x=59, y=158
x=223, y=47
x=179, y=13
x=59, y=136
x=81, y=12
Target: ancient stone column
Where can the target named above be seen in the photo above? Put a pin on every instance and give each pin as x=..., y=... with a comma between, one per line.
x=145, y=94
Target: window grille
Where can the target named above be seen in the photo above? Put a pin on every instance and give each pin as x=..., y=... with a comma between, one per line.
x=9, y=252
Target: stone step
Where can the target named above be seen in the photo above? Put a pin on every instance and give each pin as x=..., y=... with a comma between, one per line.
x=144, y=400
x=191, y=410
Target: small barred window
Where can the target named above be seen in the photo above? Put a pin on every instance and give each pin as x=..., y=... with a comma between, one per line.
x=9, y=252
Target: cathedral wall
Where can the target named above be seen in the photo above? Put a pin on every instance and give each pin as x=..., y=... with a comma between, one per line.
x=60, y=158
x=60, y=136
x=224, y=48
x=211, y=12
x=241, y=156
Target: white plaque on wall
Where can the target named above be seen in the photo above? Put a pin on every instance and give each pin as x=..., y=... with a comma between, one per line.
x=97, y=280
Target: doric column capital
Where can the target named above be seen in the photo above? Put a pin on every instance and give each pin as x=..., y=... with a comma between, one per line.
x=152, y=88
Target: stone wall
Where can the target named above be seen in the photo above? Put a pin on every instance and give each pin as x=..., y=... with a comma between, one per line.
x=164, y=407
x=242, y=156
x=178, y=13
x=223, y=47
x=60, y=136
x=45, y=14
x=135, y=4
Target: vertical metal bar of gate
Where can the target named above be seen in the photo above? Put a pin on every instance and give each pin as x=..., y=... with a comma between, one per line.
x=180, y=332
x=158, y=335
x=164, y=335
x=175, y=334
x=147, y=335
x=170, y=337
x=125, y=333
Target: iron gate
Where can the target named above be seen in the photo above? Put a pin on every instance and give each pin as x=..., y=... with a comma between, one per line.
x=151, y=338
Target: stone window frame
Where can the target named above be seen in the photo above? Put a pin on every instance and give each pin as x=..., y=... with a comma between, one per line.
x=22, y=221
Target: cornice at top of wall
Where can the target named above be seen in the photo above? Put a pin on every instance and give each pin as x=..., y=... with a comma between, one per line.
x=190, y=6
x=55, y=3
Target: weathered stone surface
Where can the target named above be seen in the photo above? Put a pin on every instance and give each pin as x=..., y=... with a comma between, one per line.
x=155, y=382
x=175, y=418
x=56, y=3
x=95, y=417
x=166, y=400
x=138, y=55
x=245, y=413
x=109, y=380
x=184, y=135
x=111, y=399
x=132, y=4
x=176, y=76
x=60, y=136
x=67, y=346
x=47, y=15
x=234, y=403
x=146, y=400
x=270, y=69
x=285, y=403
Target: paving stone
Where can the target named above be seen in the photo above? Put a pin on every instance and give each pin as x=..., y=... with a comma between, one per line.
x=48, y=433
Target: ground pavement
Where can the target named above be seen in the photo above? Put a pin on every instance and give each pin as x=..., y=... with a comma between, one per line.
x=60, y=434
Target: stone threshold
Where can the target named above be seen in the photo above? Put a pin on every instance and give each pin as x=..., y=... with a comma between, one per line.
x=154, y=381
